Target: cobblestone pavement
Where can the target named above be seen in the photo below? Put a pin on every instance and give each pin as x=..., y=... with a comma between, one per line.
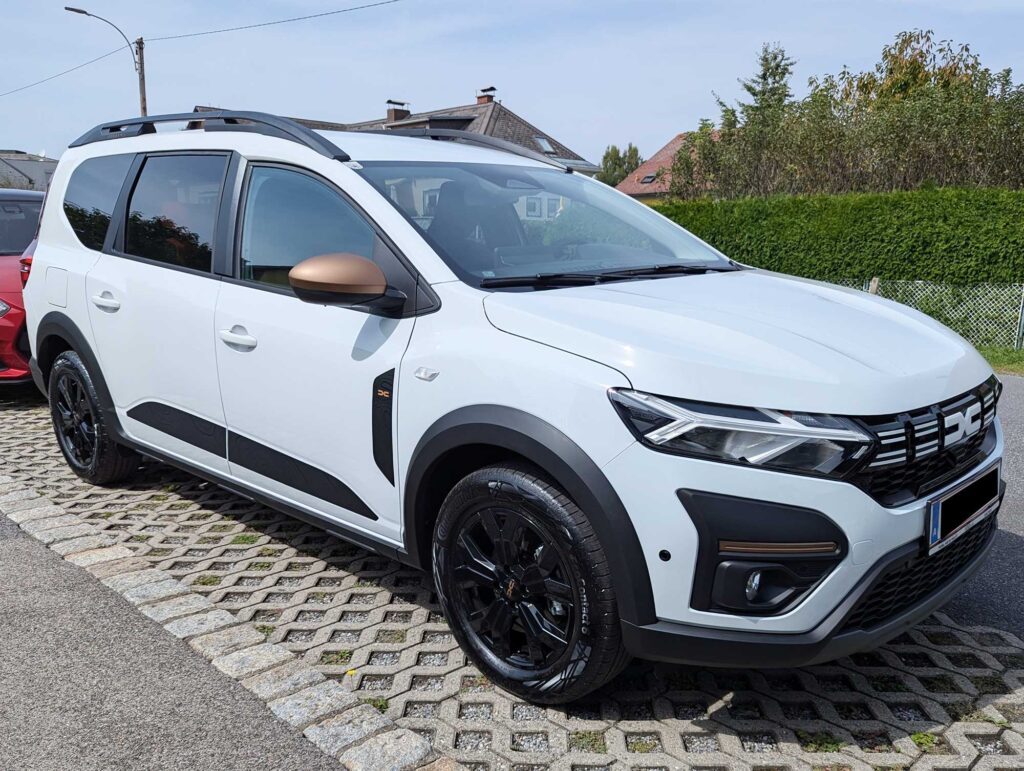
x=941, y=696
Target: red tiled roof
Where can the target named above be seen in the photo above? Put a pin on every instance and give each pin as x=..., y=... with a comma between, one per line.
x=662, y=159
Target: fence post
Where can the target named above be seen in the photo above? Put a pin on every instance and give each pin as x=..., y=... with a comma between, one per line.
x=1020, y=322
x=873, y=285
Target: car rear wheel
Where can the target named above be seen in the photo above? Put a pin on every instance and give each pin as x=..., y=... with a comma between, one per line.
x=525, y=585
x=83, y=437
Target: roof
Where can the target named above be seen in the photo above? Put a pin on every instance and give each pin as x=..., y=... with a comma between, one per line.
x=661, y=160
x=10, y=194
x=26, y=170
x=490, y=118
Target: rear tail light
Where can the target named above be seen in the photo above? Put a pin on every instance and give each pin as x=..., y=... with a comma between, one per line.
x=26, y=263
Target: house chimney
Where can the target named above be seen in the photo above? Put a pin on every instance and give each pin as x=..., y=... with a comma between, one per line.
x=397, y=110
x=485, y=95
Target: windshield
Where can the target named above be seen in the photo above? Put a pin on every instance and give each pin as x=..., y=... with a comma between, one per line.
x=18, y=221
x=492, y=221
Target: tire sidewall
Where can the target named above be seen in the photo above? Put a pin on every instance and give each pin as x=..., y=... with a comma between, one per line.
x=70, y=362
x=503, y=487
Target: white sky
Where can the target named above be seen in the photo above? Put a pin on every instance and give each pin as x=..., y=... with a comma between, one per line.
x=589, y=72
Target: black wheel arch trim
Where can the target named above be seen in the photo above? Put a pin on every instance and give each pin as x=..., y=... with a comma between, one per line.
x=545, y=445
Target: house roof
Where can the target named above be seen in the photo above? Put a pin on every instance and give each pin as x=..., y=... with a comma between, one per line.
x=632, y=185
x=489, y=118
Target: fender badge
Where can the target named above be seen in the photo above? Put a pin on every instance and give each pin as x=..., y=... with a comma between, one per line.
x=425, y=373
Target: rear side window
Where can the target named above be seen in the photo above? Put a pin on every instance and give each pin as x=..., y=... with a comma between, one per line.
x=172, y=211
x=92, y=194
x=17, y=224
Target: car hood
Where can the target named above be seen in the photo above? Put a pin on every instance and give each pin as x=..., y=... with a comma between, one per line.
x=10, y=274
x=752, y=338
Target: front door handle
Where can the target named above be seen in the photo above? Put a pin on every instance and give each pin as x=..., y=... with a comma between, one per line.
x=106, y=301
x=238, y=338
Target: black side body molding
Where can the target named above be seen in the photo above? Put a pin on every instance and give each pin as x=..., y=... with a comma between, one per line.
x=381, y=424
x=290, y=471
x=182, y=425
x=542, y=443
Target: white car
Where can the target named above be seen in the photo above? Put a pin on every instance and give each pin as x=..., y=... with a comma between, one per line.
x=604, y=437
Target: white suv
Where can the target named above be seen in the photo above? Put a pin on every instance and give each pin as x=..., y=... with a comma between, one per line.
x=604, y=437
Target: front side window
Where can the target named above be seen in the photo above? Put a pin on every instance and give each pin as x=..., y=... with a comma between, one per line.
x=18, y=221
x=91, y=195
x=290, y=216
x=172, y=211
x=491, y=221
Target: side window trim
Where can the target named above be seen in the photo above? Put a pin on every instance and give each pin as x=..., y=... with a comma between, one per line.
x=424, y=301
x=115, y=245
x=229, y=215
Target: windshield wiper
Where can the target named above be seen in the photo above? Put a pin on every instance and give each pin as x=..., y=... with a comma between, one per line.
x=680, y=268
x=549, y=279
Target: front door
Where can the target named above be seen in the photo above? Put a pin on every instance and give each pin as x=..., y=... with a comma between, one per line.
x=151, y=307
x=307, y=388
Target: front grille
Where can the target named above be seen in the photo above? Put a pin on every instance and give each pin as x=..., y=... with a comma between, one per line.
x=911, y=581
x=921, y=450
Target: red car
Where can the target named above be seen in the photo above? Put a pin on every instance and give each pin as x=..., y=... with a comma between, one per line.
x=19, y=216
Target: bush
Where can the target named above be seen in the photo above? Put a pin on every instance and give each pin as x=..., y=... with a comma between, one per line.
x=954, y=236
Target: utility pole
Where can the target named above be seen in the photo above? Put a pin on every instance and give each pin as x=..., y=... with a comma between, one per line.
x=140, y=66
x=142, y=76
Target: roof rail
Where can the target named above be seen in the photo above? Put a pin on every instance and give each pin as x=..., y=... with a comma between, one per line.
x=470, y=137
x=223, y=120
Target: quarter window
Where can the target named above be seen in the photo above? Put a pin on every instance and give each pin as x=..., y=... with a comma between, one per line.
x=92, y=194
x=290, y=216
x=173, y=210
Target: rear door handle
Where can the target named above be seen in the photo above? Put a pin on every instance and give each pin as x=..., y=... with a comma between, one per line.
x=106, y=301
x=238, y=338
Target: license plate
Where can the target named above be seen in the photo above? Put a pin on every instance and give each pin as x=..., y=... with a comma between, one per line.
x=961, y=508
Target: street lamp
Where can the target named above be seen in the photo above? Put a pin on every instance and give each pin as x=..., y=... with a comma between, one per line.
x=138, y=60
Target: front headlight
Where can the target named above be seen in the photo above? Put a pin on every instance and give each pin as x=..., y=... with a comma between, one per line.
x=788, y=441
x=4, y=307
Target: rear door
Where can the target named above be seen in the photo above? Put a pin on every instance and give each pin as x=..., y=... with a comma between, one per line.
x=151, y=299
x=308, y=389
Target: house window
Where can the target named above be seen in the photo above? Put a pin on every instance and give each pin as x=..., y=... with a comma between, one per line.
x=554, y=204
x=648, y=179
x=533, y=207
x=545, y=145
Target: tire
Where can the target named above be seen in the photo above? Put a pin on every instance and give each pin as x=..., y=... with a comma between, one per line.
x=84, y=439
x=525, y=585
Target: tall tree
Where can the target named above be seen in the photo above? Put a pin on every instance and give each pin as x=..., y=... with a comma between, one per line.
x=616, y=164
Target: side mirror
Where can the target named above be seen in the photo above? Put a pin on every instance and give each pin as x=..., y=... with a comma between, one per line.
x=344, y=279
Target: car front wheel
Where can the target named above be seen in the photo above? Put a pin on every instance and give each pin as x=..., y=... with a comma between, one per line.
x=526, y=586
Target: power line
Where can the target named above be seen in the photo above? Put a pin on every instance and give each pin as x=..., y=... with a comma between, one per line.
x=199, y=34
x=65, y=72
x=272, y=23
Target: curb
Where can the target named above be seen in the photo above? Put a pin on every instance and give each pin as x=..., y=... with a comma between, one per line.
x=325, y=712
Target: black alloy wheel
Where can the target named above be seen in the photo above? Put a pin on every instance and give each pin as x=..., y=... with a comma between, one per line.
x=76, y=422
x=512, y=587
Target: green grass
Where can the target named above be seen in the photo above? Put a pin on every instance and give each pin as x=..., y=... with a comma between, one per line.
x=379, y=703
x=587, y=741
x=819, y=742
x=207, y=581
x=1004, y=359
x=245, y=538
x=336, y=658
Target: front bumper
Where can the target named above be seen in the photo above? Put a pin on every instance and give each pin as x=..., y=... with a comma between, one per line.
x=13, y=362
x=832, y=639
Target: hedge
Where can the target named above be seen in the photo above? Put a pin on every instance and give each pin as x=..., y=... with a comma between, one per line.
x=955, y=236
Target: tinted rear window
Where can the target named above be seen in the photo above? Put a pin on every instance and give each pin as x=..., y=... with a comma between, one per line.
x=173, y=209
x=91, y=195
x=18, y=221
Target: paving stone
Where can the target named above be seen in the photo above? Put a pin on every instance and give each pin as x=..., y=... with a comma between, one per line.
x=85, y=559
x=76, y=529
x=157, y=590
x=179, y=606
x=394, y=750
x=104, y=570
x=251, y=661
x=25, y=504
x=338, y=733
x=13, y=496
x=125, y=581
x=48, y=523
x=82, y=544
x=33, y=513
x=200, y=623
x=304, y=707
x=217, y=644
x=283, y=680
x=443, y=764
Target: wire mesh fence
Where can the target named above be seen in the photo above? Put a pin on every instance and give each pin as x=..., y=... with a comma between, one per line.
x=984, y=314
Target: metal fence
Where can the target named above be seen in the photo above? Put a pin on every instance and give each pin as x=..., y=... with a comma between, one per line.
x=985, y=314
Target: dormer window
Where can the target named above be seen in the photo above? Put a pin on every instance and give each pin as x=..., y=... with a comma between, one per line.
x=648, y=179
x=545, y=145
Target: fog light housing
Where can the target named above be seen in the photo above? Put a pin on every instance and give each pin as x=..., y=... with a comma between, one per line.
x=753, y=585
